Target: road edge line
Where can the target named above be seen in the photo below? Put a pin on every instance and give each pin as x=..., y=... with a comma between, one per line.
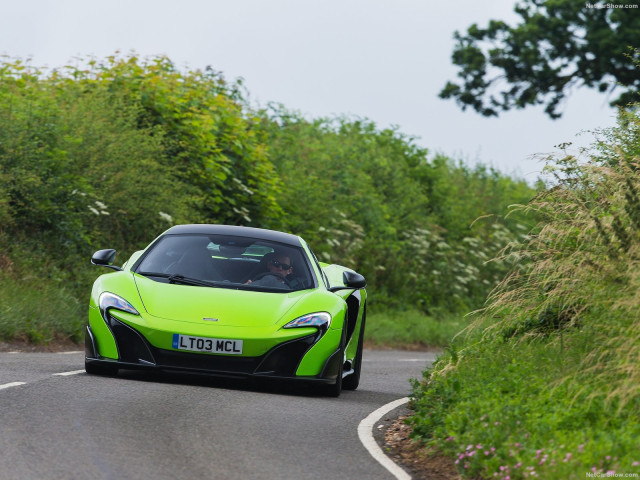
x=12, y=384
x=365, y=433
x=65, y=374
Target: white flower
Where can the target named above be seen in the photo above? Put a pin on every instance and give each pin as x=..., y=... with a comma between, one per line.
x=166, y=216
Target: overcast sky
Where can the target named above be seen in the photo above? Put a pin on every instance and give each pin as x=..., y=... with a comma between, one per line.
x=381, y=59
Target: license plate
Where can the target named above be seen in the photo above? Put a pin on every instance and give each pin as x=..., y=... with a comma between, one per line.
x=204, y=344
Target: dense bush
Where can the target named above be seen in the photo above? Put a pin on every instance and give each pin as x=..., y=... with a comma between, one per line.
x=546, y=383
x=374, y=199
x=108, y=154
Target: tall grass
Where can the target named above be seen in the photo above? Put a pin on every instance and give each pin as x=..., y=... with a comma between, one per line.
x=411, y=329
x=38, y=311
x=552, y=364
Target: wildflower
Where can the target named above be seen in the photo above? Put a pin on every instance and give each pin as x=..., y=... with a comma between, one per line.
x=610, y=473
x=461, y=456
x=517, y=465
x=567, y=458
x=608, y=457
x=466, y=465
x=94, y=210
x=517, y=445
x=487, y=452
x=469, y=447
x=496, y=423
x=100, y=205
x=165, y=216
x=581, y=448
x=493, y=449
x=635, y=464
x=479, y=446
x=450, y=439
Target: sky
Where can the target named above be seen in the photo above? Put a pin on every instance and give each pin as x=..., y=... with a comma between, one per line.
x=385, y=60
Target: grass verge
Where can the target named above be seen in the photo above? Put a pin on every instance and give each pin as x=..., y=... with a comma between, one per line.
x=520, y=409
x=411, y=329
x=39, y=312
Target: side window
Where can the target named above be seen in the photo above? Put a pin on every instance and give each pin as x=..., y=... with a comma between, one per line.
x=324, y=277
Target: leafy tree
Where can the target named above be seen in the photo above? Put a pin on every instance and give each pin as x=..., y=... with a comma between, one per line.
x=70, y=163
x=371, y=199
x=557, y=46
x=211, y=142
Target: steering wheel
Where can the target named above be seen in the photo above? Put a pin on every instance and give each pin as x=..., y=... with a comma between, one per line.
x=277, y=275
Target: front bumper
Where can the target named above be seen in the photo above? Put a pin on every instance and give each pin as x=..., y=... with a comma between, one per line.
x=283, y=360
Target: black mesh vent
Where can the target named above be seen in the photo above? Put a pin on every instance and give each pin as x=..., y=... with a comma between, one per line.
x=132, y=347
x=284, y=359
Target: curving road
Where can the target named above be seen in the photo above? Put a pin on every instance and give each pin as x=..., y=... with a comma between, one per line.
x=142, y=426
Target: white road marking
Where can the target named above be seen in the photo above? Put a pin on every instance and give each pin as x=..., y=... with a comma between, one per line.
x=68, y=353
x=12, y=384
x=64, y=374
x=365, y=432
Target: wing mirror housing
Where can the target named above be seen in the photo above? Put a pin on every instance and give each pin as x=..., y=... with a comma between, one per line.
x=105, y=258
x=350, y=280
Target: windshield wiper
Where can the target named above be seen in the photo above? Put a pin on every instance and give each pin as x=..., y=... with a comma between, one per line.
x=179, y=279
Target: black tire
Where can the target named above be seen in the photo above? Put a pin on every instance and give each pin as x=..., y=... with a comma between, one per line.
x=100, y=369
x=352, y=381
x=334, y=390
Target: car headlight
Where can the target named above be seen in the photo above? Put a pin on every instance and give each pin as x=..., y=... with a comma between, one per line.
x=320, y=320
x=109, y=300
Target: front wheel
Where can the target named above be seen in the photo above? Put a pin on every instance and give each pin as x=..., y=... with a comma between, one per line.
x=334, y=390
x=352, y=381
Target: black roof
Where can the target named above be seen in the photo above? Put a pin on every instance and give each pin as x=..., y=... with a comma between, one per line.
x=209, y=229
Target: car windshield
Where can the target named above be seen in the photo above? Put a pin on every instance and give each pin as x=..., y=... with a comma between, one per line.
x=228, y=262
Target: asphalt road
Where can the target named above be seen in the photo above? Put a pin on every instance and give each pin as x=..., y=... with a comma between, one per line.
x=164, y=426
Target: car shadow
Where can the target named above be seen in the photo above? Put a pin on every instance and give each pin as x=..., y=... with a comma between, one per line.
x=273, y=386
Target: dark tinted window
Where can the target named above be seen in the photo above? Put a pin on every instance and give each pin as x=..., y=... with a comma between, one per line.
x=225, y=261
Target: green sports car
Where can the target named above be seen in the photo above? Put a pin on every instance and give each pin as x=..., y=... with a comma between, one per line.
x=230, y=301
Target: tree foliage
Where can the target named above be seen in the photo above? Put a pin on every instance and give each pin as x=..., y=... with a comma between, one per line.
x=374, y=199
x=111, y=153
x=558, y=45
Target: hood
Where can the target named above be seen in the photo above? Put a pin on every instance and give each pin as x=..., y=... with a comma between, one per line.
x=240, y=308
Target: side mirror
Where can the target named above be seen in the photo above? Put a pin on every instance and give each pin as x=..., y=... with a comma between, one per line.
x=350, y=280
x=105, y=258
x=353, y=280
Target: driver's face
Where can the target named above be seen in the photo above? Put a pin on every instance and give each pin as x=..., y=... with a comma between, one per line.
x=280, y=265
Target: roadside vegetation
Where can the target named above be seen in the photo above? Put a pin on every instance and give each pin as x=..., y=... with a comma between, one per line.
x=545, y=382
x=110, y=153
x=540, y=381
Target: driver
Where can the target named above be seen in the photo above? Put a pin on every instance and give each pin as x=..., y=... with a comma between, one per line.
x=278, y=267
